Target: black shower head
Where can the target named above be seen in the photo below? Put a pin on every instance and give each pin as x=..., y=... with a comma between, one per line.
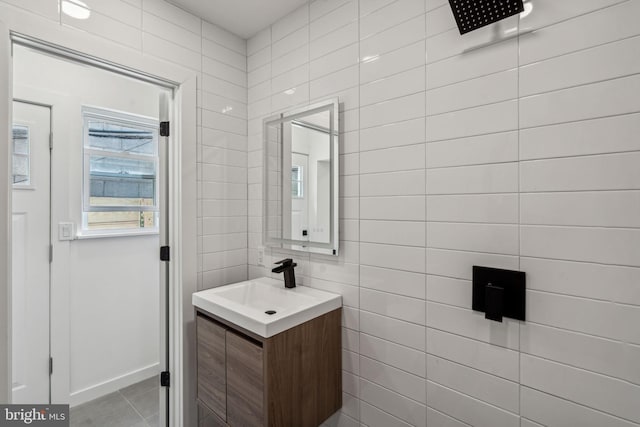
x=473, y=14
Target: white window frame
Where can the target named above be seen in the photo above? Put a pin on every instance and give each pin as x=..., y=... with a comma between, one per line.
x=125, y=119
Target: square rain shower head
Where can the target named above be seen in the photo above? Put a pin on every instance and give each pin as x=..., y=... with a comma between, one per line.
x=473, y=14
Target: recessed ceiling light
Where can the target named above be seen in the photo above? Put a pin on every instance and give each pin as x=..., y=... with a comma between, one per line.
x=528, y=7
x=290, y=91
x=76, y=9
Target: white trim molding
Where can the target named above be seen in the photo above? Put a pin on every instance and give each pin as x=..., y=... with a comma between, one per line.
x=6, y=98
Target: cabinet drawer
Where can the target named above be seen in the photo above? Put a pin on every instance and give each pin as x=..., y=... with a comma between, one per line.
x=212, y=377
x=245, y=382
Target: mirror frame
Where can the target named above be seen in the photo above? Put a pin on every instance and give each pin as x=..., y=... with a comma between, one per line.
x=332, y=247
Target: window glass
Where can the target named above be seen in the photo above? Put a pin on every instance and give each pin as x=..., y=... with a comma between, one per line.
x=119, y=138
x=21, y=167
x=296, y=182
x=121, y=165
x=116, y=181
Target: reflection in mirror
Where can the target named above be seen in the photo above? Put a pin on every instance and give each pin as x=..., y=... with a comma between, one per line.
x=301, y=179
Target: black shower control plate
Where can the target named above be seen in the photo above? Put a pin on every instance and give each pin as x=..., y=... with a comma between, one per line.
x=499, y=293
x=473, y=14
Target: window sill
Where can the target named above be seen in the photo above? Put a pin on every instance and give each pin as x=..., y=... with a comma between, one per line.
x=116, y=233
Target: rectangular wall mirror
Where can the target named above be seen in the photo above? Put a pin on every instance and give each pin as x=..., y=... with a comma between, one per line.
x=301, y=179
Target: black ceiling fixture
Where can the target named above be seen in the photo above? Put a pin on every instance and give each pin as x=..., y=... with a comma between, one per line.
x=473, y=14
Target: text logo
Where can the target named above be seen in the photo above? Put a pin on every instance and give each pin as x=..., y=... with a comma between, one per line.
x=34, y=415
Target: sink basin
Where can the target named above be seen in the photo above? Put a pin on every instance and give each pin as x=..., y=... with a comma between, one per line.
x=246, y=304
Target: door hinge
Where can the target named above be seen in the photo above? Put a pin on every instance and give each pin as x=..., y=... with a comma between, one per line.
x=165, y=254
x=165, y=379
x=164, y=128
x=50, y=254
x=50, y=140
x=50, y=365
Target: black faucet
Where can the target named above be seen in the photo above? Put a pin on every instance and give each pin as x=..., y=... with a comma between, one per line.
x=289, y=275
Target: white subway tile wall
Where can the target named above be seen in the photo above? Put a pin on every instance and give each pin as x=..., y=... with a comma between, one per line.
x=515, y=146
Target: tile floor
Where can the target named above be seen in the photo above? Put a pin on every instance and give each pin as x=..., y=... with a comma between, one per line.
x=133, y=406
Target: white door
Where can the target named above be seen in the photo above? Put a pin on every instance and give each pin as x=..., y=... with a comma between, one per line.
x=30, y=252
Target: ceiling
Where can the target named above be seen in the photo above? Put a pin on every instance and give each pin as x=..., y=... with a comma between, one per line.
x=241, y=17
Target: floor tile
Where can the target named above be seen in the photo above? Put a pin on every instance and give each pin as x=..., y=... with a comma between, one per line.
x=147, y=403
x=140, y=387
x=134, y=406
x=112, y=410
x=153, y=421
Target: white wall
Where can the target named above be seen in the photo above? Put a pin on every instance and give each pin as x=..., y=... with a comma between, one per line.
x=520, y=154
x=114, y=314
x=165, y=34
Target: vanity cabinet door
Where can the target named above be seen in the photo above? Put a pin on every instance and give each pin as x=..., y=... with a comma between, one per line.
x=245, y=382
x=206, y=418
x=212, y=377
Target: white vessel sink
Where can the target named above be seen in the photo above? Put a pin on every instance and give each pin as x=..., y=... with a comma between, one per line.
x=246, y=303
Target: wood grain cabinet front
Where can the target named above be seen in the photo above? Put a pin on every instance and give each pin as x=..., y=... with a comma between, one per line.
x=245, y=382
x=291, y=379
x=211, y=365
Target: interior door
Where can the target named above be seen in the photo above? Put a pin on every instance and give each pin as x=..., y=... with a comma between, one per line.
x=31, y=167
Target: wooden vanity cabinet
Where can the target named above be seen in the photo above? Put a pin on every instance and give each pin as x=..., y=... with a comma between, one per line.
x=291, y=379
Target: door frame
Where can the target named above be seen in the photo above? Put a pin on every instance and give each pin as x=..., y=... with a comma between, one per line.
x=181, y=180
x=6, y=107
x=60, y=269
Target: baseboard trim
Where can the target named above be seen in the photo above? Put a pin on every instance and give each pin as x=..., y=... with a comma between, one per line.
x=85, y=395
